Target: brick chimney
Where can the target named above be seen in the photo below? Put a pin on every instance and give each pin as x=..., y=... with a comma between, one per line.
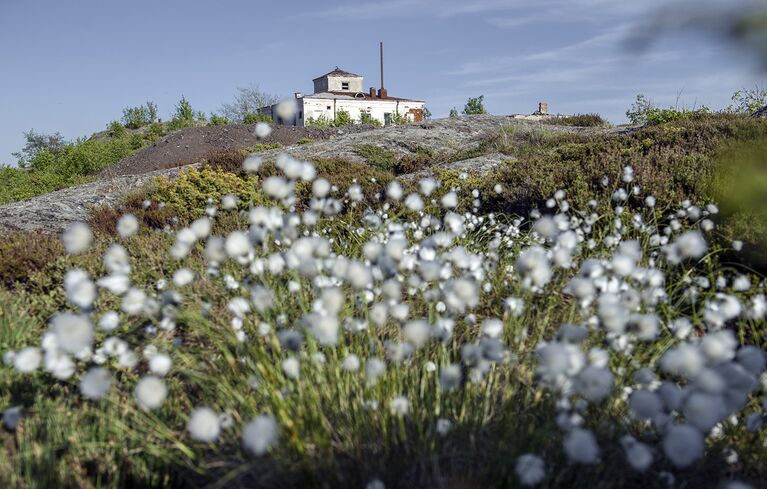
x=382, y=93
x=372, y=92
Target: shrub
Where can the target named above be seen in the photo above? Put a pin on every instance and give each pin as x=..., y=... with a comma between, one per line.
x=140, y=116
x=644, y=112
x=378, y=157
x=116, y=130
x=187, y=196
x=217, y=120
x=671, y=161
x=22, y=254
x=579, y=120
x=320, y=121
x=748, y=100
x=398, y=119
x=156, y=131
x=342, y=119
x=256, y=148
x=69, y=165
x=453, y=113
x=253, y=118
x=306, y=141
x=475, y=105
x=369, y=120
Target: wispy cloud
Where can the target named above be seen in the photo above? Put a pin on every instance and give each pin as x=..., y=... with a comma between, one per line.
x=579, y=51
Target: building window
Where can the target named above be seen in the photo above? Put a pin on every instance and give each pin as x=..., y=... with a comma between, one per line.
x=329, y=107
x=344, y=85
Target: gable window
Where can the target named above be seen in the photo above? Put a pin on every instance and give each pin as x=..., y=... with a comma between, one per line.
x=344, y=85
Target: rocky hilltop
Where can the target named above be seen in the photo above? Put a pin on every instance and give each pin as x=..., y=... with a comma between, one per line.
x=445, y=137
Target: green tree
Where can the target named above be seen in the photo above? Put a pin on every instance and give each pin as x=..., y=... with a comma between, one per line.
x=139, y=116
x=639, y=110
x=453, y=113
x=184, y=111
x=748, y=101
x=426, y=113
x=37, y=142
x=475, y=105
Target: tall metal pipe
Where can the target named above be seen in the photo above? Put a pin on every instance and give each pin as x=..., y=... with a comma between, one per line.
x=382, y=73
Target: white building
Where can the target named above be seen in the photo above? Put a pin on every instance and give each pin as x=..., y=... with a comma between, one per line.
x=340, y=90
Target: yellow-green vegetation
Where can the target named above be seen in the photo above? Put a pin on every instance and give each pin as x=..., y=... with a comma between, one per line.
x=306, y=141
x=189, y=194
x=256, y=148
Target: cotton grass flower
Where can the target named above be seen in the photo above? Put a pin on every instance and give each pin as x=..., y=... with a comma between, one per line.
x=533, y=266
x=27, y=360
x=134, y=301
x=260, y=434
x=263, y=130
x=374, y=368
x=11, y=417
x=96, y=383
x=204, y=425
x=291, y=367
x=581, y=447
x=530, y=469
x=127, y=226
x=237, y=244
x=183, y=277
x=77, y=238
x=399, y=406
x=638, y=455
x=351, y=363
x=683, y=445
x=73, y=332
x=150, y=392
x=375, y=484
x=80, y=290
x=160, y=364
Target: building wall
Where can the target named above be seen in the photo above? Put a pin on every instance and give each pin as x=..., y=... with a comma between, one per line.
x=315, y=107
x=335, y=84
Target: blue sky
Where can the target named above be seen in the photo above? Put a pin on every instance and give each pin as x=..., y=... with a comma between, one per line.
x=72, y=66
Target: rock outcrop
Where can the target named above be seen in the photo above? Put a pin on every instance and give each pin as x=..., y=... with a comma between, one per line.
x=55, y=211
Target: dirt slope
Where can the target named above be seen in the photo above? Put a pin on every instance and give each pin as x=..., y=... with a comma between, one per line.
x=193, y=144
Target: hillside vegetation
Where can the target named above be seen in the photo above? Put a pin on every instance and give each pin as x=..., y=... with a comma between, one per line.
x=580, y=316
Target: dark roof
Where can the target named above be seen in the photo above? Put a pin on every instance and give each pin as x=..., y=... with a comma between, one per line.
x=337, y=72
